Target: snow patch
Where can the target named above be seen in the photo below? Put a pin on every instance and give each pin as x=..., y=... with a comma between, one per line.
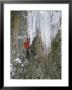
x=18, y=60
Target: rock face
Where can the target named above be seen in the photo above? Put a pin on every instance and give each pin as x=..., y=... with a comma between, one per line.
x=37, y=65
x=15, y=21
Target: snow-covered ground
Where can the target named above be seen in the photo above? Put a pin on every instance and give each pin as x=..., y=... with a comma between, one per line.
x=47, y=22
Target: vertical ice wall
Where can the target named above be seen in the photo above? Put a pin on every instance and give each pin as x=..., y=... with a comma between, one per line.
x=48, y=24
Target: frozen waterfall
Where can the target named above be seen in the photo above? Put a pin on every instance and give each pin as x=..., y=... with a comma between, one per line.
x=47, y=22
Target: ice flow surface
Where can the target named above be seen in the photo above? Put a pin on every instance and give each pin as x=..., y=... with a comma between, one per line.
x=47, y=22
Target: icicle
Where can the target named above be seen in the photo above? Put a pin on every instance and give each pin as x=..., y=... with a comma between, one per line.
x=31, y=25
x=45, y=30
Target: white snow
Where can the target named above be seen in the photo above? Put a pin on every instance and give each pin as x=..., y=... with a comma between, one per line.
x=18, y=60
x=48, y=24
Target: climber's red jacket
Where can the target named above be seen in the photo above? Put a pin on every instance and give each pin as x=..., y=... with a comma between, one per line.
x=26, y=44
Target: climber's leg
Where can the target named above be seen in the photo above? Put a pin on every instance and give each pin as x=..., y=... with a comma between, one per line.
x=33, y=53
x=27, y=53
